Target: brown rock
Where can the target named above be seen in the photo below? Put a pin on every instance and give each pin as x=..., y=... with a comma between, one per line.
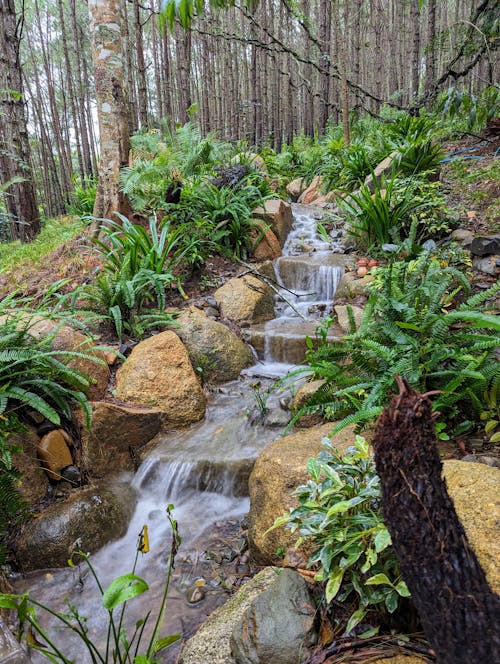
x=158, y=373
x=34, y=481
x=326, y=199
x=295, y=188
x=401, y=659
x=278, y=471
x=350, y=286
x=266, y=246
x=213, y=347
x=278, y=215
x=65, y=338
x=383, y=169
x=343, y=316
x=312, y=192
x=473, y=487
x=245, y=299
x=303, y=394
x=53, y=452
x=116, y=435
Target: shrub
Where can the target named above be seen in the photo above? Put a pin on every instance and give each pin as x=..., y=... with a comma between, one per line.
x=83, y=196
x=340, y=512
x=410, y=328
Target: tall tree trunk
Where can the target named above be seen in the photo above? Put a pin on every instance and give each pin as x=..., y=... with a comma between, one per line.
x=16, y=174
x=430, y=60
x=415, y=56
x=142, y=87
x=112, y=109
x=341, y=46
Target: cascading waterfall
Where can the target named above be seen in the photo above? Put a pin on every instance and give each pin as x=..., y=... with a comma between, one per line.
x=203, y=470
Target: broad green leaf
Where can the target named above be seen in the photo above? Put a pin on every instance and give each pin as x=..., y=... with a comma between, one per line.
x=402, y=589
x=369, y=633
x=9, y=601
x=378, y=580
x=333, y=585
x=314, y=468
x=391, y=601
x=122, y=589
x=495, y=438
x=382, y=540
x=355, y=619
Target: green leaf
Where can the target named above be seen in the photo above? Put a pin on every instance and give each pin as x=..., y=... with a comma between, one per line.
x=355, y=619
x=333, y=585
x=391, y=601
x=382, y=540
x=9, y=601
x=122, y=589
x=402, y=589
x=165, y=642
x=379, y=580
x=495, y=438
x=314, y=468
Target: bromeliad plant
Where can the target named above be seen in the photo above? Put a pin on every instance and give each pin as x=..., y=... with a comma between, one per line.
x=120, y=647
x=411, y=328
x=340, y=514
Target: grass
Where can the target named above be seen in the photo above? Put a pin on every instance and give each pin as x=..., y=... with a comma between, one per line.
x=54, y=233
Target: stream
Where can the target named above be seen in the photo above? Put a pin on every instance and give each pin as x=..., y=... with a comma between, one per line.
x=203, y=470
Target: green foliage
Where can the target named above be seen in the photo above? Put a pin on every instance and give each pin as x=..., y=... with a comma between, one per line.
x=468, y=112
x=410, y=328
x=120, y=647
x=138, y=267
x=379, y=217
x=339, y=512
x=83, y=199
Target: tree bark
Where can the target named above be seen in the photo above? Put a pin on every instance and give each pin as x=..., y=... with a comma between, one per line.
x=459, y=611
x=15, y=159
x=112, y=108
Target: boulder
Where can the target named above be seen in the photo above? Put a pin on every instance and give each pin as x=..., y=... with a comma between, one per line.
x=116, y=435
x=303, y=394
x=54, y=453
x=312, y=192
x=278, y=471
x=65, y=338
x=342, y=311
x=278, y=625
x=473, y=488
x=212, y=346
x=326, y=199
x=485, y=245
x=10, y=650
x=266, y=269
x=86, y=521
x=210, y=644
x=278, y=215
x=266, y=246
x=385, y=168
x=158, y=373
x=295, y=188
x=245, y=300
x=34, y=482
x=351, y=286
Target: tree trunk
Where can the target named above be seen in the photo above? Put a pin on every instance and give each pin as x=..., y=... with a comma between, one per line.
x=141, y=68
x=459, y=611
x=15, y=162
x=112, y=108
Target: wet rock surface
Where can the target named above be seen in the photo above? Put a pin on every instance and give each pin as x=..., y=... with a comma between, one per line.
x=245, y=299
x=278, y=626
x=85, y=522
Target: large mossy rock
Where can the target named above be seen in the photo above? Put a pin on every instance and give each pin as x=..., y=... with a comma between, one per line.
x=116, y=435
x=278, y=215
x=213, y=347
x=86, y=521
x=210, y=644
x=33, y=483
x=278, y=471
x=67, y=339
x=245, y=299
x=159, y=374
x=278, y=627
x=473, y=488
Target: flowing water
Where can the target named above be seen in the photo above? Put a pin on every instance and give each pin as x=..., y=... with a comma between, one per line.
x=203, y=470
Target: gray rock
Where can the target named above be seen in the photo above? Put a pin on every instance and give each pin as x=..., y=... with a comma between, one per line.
x=463, y=236
x=10, y=650
x=88, y=520
x=487, y=264
x=384, y=168
x=278, y=627
x=485, y=245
